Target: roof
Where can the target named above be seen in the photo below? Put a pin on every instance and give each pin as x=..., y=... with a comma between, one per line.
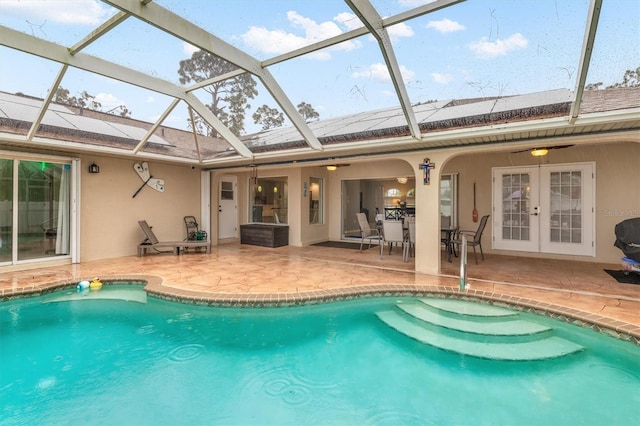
x=81, y=126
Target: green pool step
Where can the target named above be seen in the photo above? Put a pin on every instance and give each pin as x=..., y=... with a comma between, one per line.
x=547, y=348
x=468, y=309
x=512, y=327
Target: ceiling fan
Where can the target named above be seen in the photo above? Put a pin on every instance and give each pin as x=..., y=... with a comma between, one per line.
x=332, y=167
x=542, y=150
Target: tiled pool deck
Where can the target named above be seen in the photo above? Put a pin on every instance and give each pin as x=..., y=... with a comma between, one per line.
x=241, y=275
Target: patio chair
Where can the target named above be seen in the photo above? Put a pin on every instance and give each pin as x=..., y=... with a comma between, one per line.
x=193, y=231
x=410, y=243
x=392, y=232
x=475, y=238
x=366, y=232
x=152, y=242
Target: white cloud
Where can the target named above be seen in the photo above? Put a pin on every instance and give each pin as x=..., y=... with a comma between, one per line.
x=279, y=41
x=399, y=30
x=445, y=26
x=80, y=12
x=348, y=20
x=108, y=101
x=442, y=78
x=379, y=72
x=189, y=49
x=485, y=49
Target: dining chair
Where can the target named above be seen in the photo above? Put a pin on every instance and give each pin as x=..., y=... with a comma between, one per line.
x=410, y=246
x=475, y=238
x=392, y=232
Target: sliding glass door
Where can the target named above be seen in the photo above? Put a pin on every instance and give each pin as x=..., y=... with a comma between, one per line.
x=35, y=209
x=6, y=210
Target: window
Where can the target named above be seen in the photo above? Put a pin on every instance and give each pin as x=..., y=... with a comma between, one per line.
x=269, y=200
x=316, y=200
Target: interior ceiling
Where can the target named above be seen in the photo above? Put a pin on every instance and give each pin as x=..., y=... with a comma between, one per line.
x=377, y=29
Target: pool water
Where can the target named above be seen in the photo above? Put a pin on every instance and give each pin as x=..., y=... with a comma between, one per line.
x=70, y=358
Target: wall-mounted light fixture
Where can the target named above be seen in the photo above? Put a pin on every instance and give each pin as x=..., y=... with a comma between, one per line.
x=93, y=168
x=332, y=168
x=539, y=152
x=402, y=180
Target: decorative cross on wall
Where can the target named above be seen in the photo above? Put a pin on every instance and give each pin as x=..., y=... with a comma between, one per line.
x=426, y=166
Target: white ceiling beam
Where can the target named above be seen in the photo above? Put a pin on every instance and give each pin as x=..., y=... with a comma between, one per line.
x=419, y=11
x=373, y=21
x=585, y=56
x=358, y=32
x=54, y=52
x=99, y=32
x=183, y=29
x=155, y=126
x=210, y=118
x=57, y=53
x=45, y=105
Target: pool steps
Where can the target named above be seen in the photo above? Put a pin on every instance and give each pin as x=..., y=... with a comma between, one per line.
x=477, y=330
x=125, y=293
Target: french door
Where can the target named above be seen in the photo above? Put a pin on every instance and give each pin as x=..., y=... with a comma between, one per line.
x=546, y=209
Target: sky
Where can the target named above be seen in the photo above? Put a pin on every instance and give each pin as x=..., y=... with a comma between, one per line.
x=473, y=49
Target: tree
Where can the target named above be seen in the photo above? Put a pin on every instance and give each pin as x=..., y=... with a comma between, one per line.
x=87, y=101
x=631, y=78
x=229, y=98
x=268, y=117
x=307, y=112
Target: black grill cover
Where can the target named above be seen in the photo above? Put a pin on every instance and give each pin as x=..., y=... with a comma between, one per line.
x=628, y=238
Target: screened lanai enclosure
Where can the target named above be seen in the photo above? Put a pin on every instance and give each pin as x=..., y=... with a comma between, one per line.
x=209, y=68
x=253, y=90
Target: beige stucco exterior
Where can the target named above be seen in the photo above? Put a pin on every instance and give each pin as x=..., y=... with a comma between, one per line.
x=109, y=214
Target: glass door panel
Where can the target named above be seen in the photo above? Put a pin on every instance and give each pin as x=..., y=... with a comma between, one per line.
x=6, y=209
x=516, y=208
x=43, y=209
x=567, y=228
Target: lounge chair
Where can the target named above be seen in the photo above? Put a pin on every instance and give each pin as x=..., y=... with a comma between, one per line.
x=151, y=242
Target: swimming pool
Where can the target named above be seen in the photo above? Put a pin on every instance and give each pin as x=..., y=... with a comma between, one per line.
x=118, y=357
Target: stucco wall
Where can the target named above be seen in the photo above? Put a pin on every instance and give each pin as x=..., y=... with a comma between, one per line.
x=617, y=169
x=109, y=214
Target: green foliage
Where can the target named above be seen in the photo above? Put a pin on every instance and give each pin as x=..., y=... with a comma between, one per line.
x=307, y=112
x=631, y=78
x=87, y=101
x=229, y=97
x=268, y=117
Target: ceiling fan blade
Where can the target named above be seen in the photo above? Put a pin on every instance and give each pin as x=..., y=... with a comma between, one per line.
x=542, y=147
x=559, y=146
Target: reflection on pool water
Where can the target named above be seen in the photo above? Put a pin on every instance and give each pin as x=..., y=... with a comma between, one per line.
x=98, y=359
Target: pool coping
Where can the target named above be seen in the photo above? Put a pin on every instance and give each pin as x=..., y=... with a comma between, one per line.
x=154, y=287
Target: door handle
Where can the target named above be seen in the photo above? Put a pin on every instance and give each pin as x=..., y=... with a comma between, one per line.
x=219, y=209
x=536, y=211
